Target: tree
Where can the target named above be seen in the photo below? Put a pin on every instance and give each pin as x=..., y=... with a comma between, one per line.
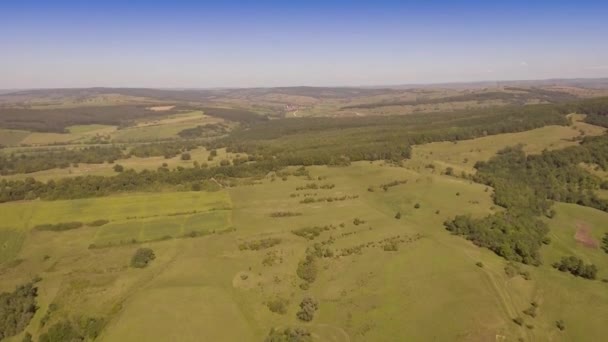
x=17, y=309
x=142, y=257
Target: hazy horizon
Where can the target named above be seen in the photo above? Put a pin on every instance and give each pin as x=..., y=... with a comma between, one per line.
x=188, y=44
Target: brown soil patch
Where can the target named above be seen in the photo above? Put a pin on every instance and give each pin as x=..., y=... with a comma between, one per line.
x=583, y=235
x=161, y=108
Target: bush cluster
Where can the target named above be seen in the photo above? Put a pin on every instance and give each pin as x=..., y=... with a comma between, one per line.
x=142, y=257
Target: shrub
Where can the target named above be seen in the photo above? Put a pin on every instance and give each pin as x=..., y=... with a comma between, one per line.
x=27, y=337
x=142, y=257
x=61, y=332
x=278, y=305
x=118, y=168
x=186, y=156
x=308, y=307
x=417, y=206
x=479, y=264
x=307, y=269
x=97, y=223
x=91, y=327
x=310, y=232
x=358, y=221
x=259, y=244
x=531, y=311
x=398, y=215
x=284, y=214
x=560, y=325
x=59, y=226
x=518, y=321
x=288, y=335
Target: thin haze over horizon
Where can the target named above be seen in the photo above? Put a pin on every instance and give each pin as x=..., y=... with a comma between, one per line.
x=199, y=44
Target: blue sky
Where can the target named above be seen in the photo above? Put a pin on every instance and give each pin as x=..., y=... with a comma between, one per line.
x=280, y=43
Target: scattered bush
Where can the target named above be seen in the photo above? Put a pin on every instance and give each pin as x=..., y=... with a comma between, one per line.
x=288, y=335
x=278, y=305
x=531, y=311
x=310, y=232
x=358, y=221
x=27, y=337
x=97, y=223
x=259, y=244
x=576, y=267
x=284, y=214
x=512, y=269
x=308, y=308
x=307, y=269
x=61, y=332
x=59, y=226
x=605, y=243
x=518, y=321
x=142, y=257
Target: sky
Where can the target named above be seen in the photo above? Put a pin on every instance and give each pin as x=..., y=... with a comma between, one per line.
x=200, y=44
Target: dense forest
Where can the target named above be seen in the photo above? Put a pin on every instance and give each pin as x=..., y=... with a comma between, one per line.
x=333, y=141
x=58, y=119
x=521, y=96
